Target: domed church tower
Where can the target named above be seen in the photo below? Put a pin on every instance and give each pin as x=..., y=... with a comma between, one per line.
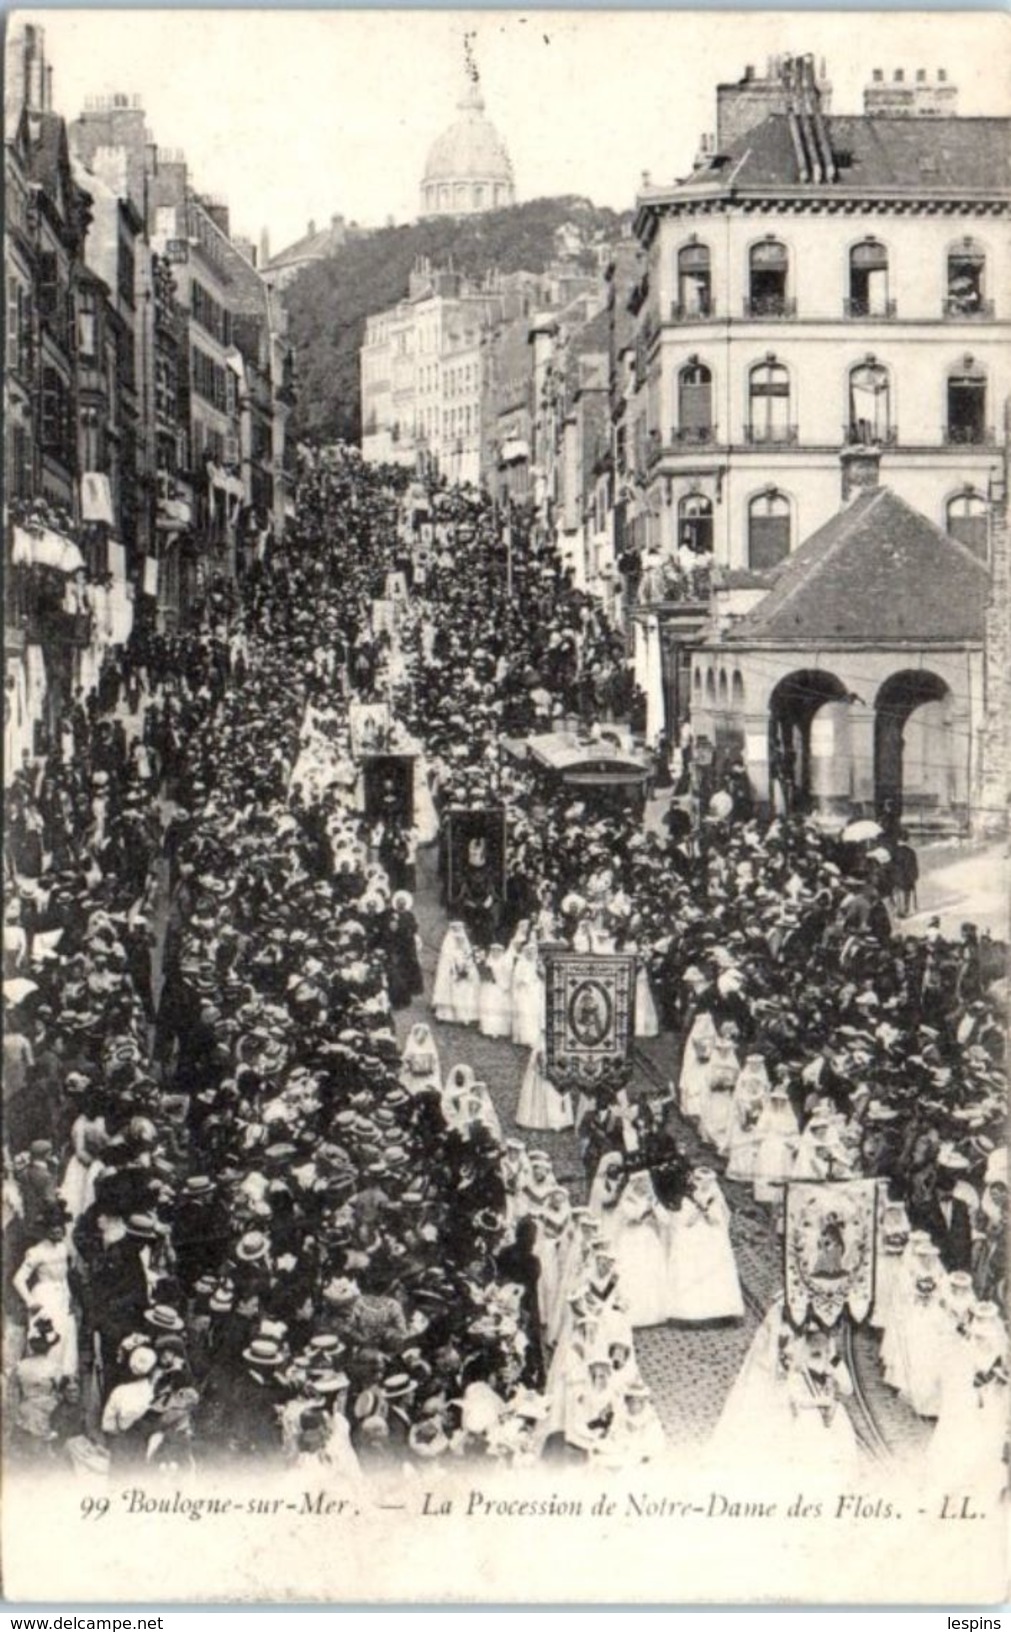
x=468, y=168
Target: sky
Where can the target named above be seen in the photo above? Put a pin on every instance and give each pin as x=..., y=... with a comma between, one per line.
x=292, y=116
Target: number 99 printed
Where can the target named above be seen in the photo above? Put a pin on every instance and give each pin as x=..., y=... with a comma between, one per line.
x=94, y=1507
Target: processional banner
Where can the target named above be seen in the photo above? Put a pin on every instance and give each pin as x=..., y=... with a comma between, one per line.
x=389, y=789
x=384, y=618
x=370, y=726
x=476, y=855
x=589, y=1020
x=830, y=1240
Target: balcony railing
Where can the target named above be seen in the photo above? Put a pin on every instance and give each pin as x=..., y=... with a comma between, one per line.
x=958, y=306
x=870, y=436
x=775, y=306
x=693, y=436
x=980, y=436
x=870, y=309
x=698, y=312
x=771, y=436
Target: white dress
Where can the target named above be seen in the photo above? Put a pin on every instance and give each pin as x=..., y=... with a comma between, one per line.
x=426, y=818
x=540, y=1104
x=646, y=1022
x=966, y=1450
x=776, y=1135
x=527, y=1001
x=456, y=992
x=695, y=1065
x=819, y=1442
x=604, y=1194
x=748, y=1101
x=419, y=1068
x=638, y=1249
x=701, y=1280
x=77, y=1187
x=42, y=1281
x=721, y=1079
x=495, y=1015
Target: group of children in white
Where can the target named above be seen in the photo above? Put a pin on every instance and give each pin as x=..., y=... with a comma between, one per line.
x=627, y=1262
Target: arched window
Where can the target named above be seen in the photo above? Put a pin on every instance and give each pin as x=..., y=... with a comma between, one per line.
x=768, y=530
x=723, y=688
x=769, y=404
x=698, y=679
x=869, y=404
x=768, y=274
x=966, y=403
x=478, y=196
x=965, y=284
x=710, y=687
x=868, y=296
x=737, y=689
x=965, y=518
x=695, y=524
x=694, y=297
x=695, y=403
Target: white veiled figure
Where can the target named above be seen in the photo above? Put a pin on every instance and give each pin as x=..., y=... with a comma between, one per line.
x=567, y=1373
x=966, y=1451
x=457, y=1086
x=756, y=1411
x=917, y=1335
x=419, y=1062
x=646, y=1021
x=776, y=1137
x=541, y=1105
x=605, y=1192
x=456, y=990
x=889, y=1266
x=554, y=1229
x=819, y=1443
x=721, y=1079
x=899, y=1303
x=495, y=1011
x=637, y=1437
x=748, y=1101
x=701, y=1279
x=639, y=1253
x=695, y=1065
x=527, y=999
x=479, y=1107
x=426, y=817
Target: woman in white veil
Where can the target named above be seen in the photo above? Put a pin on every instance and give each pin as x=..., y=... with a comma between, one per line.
x=419, y=1062
x=605, y=1191
x=756, y=1412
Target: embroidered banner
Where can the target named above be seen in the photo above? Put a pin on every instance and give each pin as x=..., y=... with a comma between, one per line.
x=589, y=1019
x=830, y=1241
x=389, y=789
x=370, y=725
x=475, y=856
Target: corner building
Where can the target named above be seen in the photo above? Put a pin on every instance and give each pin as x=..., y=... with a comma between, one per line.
x=819, y=283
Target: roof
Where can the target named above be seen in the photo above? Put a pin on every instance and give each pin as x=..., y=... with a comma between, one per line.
x=879, y=154
x=562, y=752
x=315, y=246
x=878, y=571
x=471, y=149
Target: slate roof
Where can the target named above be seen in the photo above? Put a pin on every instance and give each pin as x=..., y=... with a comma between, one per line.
x=885, y=155
x=878, y=571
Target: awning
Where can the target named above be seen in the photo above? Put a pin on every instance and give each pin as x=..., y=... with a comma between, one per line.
x=96, y=498
x=46, y=549
x=514, y=452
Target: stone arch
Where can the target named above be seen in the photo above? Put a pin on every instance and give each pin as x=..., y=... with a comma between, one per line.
x=809, y=767
x=920, y=771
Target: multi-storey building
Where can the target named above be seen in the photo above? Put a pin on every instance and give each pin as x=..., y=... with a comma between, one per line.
x=818, y=285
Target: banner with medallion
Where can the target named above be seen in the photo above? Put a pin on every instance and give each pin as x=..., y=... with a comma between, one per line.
x=370, y=726
x=388, y=790
x=589, y=1020
x=384, y=618
x=475, y=855
x=830, y=1242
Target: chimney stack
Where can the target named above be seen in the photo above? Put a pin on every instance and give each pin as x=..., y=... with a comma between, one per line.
x=861, y=471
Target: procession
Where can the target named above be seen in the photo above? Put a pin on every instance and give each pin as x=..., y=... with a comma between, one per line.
x=379, y=1102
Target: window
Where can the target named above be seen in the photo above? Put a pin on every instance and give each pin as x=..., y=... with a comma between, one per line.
x=966, y=519
x=768, y=270
x=86, y=332
x=868, y=296
x=869, y=404
x=694, y=282
x=769, y=404
x=695, y=403
x=768, y=530
x=965, y=294
x=966, y=404
x=695, y=524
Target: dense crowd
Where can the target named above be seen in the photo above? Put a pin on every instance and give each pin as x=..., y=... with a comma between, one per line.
x=242, y=1220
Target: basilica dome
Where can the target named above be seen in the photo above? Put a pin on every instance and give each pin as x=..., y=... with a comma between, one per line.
x=468, y=168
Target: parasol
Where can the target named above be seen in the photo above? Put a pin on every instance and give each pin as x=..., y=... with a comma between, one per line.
x=720, y=805
x=861, y=831
x=15, y=991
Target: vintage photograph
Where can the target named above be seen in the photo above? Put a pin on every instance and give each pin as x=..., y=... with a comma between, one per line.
x=506, y=738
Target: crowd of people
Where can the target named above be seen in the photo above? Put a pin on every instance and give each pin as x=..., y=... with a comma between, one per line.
x=244, y=1219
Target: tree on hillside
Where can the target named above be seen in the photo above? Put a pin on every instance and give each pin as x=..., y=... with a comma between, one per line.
x=329, y=301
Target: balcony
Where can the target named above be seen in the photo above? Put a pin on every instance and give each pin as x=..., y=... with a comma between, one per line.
x=961, y=436
x=771, y=436
x=870, y=436
x=770, y=306
x=877, y=311
x=964, y=306
x=698, y=312
x=693, y=436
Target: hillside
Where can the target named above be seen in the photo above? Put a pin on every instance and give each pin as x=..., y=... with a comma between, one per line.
x=329, y=302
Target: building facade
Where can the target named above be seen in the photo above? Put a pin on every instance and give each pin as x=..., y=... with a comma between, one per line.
x=468, y=169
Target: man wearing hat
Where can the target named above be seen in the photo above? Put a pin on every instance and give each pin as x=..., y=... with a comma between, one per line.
x=944, y=1214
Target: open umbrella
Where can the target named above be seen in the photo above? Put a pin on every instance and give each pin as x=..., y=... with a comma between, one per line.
x=15, y=991
x=720, y=805
x=858, y=832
